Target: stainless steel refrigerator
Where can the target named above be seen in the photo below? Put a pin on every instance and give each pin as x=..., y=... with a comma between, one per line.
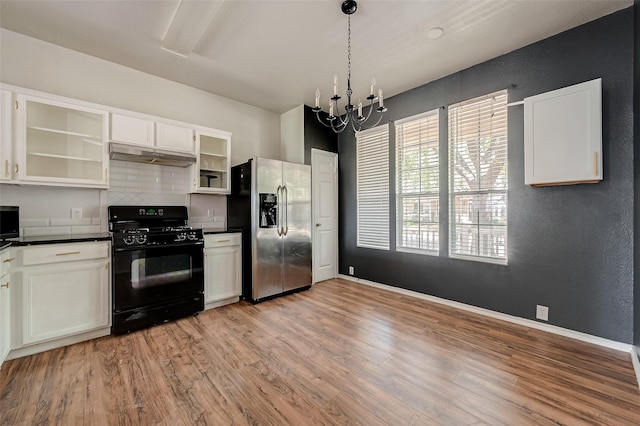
x=271, y=201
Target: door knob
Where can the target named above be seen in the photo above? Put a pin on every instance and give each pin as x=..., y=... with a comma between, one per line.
x=317, y=224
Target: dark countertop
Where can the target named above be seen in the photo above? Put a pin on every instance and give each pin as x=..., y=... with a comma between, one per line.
x=221, y=231
x=55, y=239
x=81, y=238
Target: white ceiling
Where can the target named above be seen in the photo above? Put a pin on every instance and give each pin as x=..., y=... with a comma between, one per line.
x=274, y=54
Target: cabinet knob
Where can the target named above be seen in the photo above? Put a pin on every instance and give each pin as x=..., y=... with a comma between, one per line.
x=5, y=285
x=318, y=224
x=9, y=260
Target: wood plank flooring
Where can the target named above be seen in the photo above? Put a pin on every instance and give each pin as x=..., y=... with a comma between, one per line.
x=340, y=353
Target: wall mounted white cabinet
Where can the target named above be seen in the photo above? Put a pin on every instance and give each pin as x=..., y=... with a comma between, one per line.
x=64, y=293
x=6, y=159
x=59, y=143
x=51, y=140
x=150, y=133
x=132, y=130
x=222, y=269
x=563, y=136
x=211, y=173
x=175, y=138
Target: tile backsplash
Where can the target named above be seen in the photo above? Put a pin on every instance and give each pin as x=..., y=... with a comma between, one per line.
x=148, y=178
x=48, y=210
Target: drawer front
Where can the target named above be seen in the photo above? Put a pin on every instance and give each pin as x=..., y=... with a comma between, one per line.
x=222, y=240
x=57, y=253
x=5, y=261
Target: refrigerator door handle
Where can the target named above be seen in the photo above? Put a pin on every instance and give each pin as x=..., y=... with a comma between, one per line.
x=279, y=207
x=286, y=207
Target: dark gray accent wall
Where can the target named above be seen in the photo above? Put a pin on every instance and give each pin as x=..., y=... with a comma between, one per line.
x=570, y=248
x=316, y=135
x=636, y=119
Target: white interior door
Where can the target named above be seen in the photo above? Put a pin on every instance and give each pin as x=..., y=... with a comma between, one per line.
x=324, y=176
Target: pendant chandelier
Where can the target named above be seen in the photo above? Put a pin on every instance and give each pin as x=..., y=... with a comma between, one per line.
x=352, y=115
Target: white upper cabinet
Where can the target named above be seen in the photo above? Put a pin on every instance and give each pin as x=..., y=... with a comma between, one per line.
x=563, y=136
x=147, y=132
x=60, y=143
x=6, y=160
x=212, y=170
x=132, y=130
x=175, y=138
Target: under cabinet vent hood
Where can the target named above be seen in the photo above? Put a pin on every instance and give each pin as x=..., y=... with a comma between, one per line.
x=149, y=155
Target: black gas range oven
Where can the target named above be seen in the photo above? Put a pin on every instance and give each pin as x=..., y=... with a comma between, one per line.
x=158, y=272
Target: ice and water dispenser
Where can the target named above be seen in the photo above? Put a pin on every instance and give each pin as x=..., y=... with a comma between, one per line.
x=268, y=211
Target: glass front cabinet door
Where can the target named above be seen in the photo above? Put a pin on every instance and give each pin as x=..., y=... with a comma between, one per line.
x=211, y=174
x=61, y=144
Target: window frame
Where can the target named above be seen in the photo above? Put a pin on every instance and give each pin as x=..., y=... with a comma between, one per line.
x=372, y=186
x=498, y=210
x=401, y=147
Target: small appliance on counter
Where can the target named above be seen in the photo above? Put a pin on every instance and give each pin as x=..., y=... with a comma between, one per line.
x=270, y=201
x=9, y=222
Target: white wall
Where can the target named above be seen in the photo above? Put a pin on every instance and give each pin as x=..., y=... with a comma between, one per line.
x=292, y=135
x=34, y=64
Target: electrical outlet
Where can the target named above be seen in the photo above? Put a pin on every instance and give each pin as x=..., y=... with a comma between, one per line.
x=351, y=270
x=76, y=213
x=542, y=312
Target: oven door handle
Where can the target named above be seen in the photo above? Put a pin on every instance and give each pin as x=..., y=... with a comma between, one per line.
x=135, y=248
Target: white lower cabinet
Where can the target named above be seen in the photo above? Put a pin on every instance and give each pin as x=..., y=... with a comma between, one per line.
x=222, y=269
x=63, y=296
x=5, y=305
x=64, y=300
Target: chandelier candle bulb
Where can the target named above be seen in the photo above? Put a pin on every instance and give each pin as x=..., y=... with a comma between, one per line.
x=317, y=98
x=359, y=108
x=380, y=101
x=335, y=85
x=330, y=109
x=373, y=84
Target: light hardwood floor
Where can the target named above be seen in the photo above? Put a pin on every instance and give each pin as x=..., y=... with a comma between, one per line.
x=340, y=353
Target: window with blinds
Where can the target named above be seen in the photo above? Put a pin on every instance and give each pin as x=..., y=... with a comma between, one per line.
x=478, y=178
x=372, y=175
x=417, y=183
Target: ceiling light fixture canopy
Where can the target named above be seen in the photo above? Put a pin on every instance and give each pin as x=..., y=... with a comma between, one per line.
x=353, y=115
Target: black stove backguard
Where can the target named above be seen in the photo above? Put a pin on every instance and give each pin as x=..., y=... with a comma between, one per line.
x=160, y=277
x=123, y=218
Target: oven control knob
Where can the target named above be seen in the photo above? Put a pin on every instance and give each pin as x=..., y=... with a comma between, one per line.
x=141, y=239
x=181, y=237
x=192, y=236
x=129, y=239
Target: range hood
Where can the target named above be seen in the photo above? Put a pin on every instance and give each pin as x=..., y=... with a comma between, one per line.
x=149, y=155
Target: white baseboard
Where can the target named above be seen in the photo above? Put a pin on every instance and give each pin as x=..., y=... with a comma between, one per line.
x=611, y=344
x=58, y=343
x=635, y=359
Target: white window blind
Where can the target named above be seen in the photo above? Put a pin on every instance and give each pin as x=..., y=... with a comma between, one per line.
x=417, y=183
x=372, y=174
x=478, y=178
